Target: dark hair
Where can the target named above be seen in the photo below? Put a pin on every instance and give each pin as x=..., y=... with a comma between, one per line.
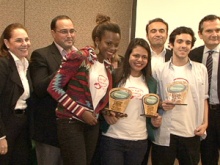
x=6, y=34
x=54, y=21
x=104, y=24
x=125, y=71
x=156, y=20
x=182, y=30
x=207, y=18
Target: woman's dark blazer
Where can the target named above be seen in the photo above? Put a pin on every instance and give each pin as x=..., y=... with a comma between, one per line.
x=11, y=89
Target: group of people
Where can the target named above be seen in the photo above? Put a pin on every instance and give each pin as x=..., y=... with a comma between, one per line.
x=59, y=98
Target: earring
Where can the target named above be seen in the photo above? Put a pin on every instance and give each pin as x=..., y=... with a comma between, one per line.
x=96, y=49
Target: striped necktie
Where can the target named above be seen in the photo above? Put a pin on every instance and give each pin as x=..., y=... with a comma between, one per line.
x=209, y=64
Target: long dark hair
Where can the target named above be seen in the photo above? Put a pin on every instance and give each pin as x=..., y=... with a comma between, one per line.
x=122, y=73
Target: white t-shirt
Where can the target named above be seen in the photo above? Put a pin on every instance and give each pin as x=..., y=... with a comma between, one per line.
x=157, y=59
x=183, y=117
x=98, y=81
x=132, y=127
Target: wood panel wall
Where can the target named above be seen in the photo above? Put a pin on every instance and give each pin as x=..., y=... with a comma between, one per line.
x=36, y=15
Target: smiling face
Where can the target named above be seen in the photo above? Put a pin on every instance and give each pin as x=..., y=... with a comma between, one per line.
x=210, y=33
x=108, y=45
x=64, y=34
x=138, y=60
x=181, y=46
x=19, y=43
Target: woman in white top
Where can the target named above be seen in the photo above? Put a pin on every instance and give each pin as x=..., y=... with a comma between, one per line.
x=15, y=89
x=124, y=140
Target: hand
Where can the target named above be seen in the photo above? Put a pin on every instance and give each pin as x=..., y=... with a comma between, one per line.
x=111, y=117
x=156, y=121
x=116, y=114
x=89, y=118
x=167, y=105
x=3, y=146
x=199, y=131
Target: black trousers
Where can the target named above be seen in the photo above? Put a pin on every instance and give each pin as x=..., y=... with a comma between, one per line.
x=19, y=142
x=77, y=141
x=185, y=149
x=146, y=157
x=210, y=146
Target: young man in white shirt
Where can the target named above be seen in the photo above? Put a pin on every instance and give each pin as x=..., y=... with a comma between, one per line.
x=182, y=125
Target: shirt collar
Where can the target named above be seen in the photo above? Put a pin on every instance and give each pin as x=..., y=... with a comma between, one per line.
x=14, y=56
x=171, y=64
x=17, y=60
x=161, y=53
x=62, y=51
x=216, y=49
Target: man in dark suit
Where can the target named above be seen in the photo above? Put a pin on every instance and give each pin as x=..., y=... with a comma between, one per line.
x=157, y=33
x=43, y=66
x=209, y=32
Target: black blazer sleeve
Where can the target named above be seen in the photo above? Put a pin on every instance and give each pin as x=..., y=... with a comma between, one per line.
x=43, y=67
x=197, y=54
x=3, y=76
x=168, y=55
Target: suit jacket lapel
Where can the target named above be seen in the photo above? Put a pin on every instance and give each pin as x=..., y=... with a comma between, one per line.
x=14, y=72
x=29, y=80
x=199, y=54
x=57, y=56
x=168, y=55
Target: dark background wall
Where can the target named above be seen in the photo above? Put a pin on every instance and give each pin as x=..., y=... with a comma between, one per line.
x=36, y=15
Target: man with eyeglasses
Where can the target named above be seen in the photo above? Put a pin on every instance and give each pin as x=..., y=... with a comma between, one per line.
x=43, y=65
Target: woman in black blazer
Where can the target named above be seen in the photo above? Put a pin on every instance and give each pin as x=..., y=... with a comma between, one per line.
x=15, y=89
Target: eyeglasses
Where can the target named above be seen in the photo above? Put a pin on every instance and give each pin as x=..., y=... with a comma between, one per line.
x=65, y=31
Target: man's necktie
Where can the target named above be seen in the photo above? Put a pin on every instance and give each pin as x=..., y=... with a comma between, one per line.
x=209, y=64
